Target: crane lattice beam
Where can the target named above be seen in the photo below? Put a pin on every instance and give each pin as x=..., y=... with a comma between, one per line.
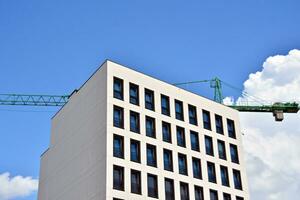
x=33, y=100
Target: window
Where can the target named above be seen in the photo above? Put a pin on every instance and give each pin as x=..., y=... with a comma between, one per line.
x=152, y=186
x=134, y=94
x=197, y=168
x=118, y=117
x=118, y=181
x=135, y=154
x=199, y=193
x=211, y=172
x=237, y=179
x=213, y=195
x=118, y=146
x=118, y=88
x=224, y=176
x=168, y=160
x=117, y=199
x=206, y=120
x=179, y=110
x=193, y=115
x=226, y=196
x=134, y=122
x=136, y=182
x=149, y=99
x=209, y=146
x=194, y=141
x=180, y=136
x=219, y=124
x=234, y=154
x=169, y=189
x=166, y=130
x=182, y=164
x=221, y=149
x=239, y=198
x=184, y=191
x=151, y=155
x=165, y=105
x=231, y=128
x=150, y=127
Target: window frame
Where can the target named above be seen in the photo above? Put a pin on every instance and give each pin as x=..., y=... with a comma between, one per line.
x=206, y=124
x=170, y=153
x=224, y=182
x=183, y=171
x=132, y=141
x=213, y=178
x=219, y=129
x=153, y=134
x=118, y=186
x=155, y=189
x=167, y=124
x=186, y=186
x=169, y=195
x=234, y=159
x=191, y=118
x=121, y=122
x=179, y=114
x=237, y=177
x=151, y=147
x=198, y=161
x=165, y=111
x=222, y=143
x=121, y=92
x=231, y=133
x=133, y=188
x=115, y=154
x=137, y=122
x=196, y=134
x=182, y=132
x=210, y=139
x=149, y=105
x=135, y=100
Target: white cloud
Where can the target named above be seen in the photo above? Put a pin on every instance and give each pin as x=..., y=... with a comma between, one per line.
x=18, y=186
x=273, y=148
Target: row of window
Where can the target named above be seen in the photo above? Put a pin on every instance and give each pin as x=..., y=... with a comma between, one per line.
x=180, y=135
x=151, y=152
x=152, y=186
x=165, y=107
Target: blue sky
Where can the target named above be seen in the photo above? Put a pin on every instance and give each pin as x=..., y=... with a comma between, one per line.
x=52, y=47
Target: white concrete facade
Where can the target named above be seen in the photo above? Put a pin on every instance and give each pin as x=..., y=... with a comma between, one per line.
x=79, y=162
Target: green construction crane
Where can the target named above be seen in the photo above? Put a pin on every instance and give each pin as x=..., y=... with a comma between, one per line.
x=278, y=109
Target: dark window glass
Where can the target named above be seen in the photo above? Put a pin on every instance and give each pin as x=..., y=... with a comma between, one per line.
x=219, y=124
x=213, y=195
x=239, y=198
x=151, y=155
x=118, y=146
x=237, y=179
x=118, y=88
x=118, y=117
x=136, y=182
x=206, y=120
x=118, y=180
x=152, y=186
x=150, y=127
x=195, y=141
x=209, y=146
x=179, y=109
x=168, y=160
x=226, y=196
x=224, y=176
x=222, y=149
x=184, y=191
x=234, y=153
x=169, y=189
x=211, y=170
x=231, y=128
x=166, y=130
x=117, y=199
x=197, y=168
x=165, y=105
x=135, y=151
x=193, y=115
x=199, y=193
x=134, y=94
x=182, y=164
x=180, y=136
x=149, y=99
x=134, y=122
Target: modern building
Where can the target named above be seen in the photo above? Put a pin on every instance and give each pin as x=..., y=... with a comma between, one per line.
x=126, y=135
